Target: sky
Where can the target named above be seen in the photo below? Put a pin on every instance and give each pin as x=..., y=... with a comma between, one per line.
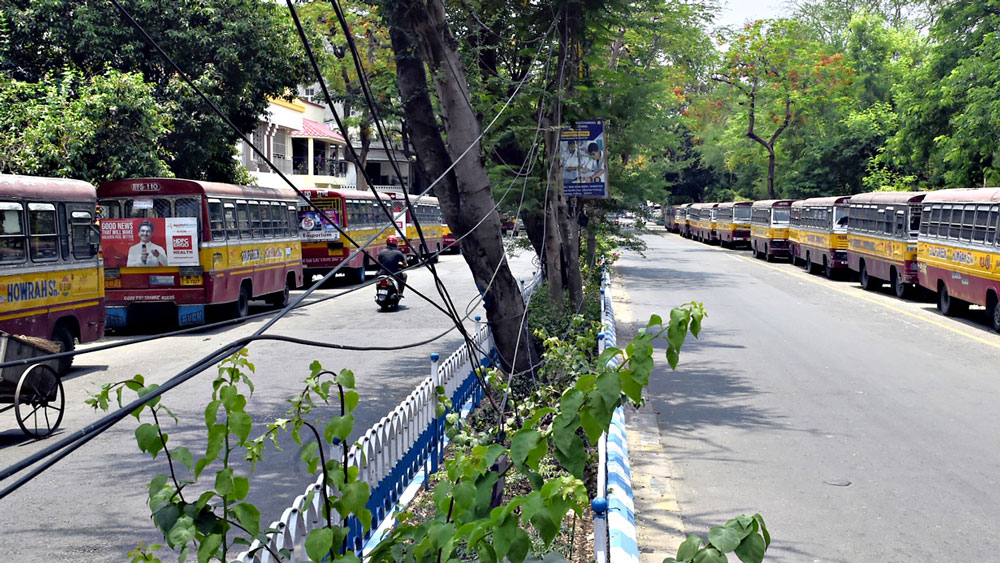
x=737, y=12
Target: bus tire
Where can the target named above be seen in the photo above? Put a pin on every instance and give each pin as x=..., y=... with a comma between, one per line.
x=767, y=255
x=67, y=343
x=242, y=304
x=809, y=263
x=827, y=269
x=279, y=300
x=948, y=305
x=897, y=283
x=867, y=281
x=993, y=310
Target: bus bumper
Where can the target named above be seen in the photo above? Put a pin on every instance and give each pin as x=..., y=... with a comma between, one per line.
x=187, y=315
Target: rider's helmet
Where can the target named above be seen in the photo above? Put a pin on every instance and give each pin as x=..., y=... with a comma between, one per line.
x=392, y=240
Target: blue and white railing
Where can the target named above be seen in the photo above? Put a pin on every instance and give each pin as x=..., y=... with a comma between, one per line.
x=394, y=456
x=614, y=511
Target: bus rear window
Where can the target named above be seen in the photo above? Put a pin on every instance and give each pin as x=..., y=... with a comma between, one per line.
x=781, y=215
x=85, y=236
x=11, y=233
x=741, y=213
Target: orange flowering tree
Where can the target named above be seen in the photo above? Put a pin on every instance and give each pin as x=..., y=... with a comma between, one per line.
x=776, y=74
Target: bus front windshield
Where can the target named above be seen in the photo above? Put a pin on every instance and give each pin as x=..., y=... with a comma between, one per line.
x=741, y=213
x=780, y=215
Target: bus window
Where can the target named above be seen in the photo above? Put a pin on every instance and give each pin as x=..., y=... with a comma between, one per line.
x=991, y=225
x=84, y=236
x=64, y=232
x=267, y=227
x=243, y=218
x=901, y=224
x=11, y=233
x=255, y=220
x=216, y=220
x=781, y=215
x=280, y=219
x=293, y=221
x=42, y=228
x=147, y=208
x=229, y=210
x=186, y=207
x=110, y=209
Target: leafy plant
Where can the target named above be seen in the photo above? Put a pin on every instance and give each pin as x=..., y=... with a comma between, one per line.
x=745, y=536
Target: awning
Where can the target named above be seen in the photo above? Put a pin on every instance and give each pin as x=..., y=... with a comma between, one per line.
x=314, y=130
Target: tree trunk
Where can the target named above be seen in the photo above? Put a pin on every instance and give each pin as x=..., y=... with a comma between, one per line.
x=571, y=250
x=770, y=173
x=592, y=242
x=553, y=200
x=419, y=33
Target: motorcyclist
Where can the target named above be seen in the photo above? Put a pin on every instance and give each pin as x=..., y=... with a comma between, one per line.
x=392, y=261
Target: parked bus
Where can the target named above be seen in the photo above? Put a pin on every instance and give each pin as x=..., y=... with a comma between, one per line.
x=428, y=212
x=882, y=233
x=50, y=269
x=668, y=218
x=818, y=233
x=769, y=228
x=957, y=250
x=174, y=246
x=733, y=223
x=358, y=214
x=680, y=218
x=690, y=218
x=703, y=227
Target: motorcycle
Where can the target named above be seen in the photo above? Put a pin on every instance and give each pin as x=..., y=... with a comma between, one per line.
x=387, y=294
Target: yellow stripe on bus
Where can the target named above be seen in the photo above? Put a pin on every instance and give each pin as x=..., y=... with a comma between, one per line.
x=977, y=263
x=34, y=312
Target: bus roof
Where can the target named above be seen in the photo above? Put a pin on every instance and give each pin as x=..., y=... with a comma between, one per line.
x=830, y=200
x=773, y=203
x=29, y=187
x=888, y=197
x=735, y=203
x=149, y=187
x=704, y=205
x=364, y=194
x=964, y=195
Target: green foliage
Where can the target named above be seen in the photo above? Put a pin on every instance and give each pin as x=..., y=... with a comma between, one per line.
x=97, y=128
x=239, y=52
x=745, y=536
x=562, y=421
x=546, y=317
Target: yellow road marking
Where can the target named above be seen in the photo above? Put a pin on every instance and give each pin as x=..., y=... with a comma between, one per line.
x=854, y=294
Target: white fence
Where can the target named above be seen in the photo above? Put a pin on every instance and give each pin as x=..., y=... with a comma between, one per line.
x=390, y=453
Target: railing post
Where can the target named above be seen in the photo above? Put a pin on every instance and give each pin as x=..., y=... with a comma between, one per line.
x=435, y=456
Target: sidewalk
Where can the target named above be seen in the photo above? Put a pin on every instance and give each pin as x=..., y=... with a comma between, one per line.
x=659, y=526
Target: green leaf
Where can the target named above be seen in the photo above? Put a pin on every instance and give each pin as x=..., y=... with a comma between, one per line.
x=673, y=357
x=585, y=382
x=224, y=482
x=212, y=413
x=339, y=427
x=346, y=378
x=182, y=532
x=241, y=487
x=677, y=331
x=751, y=549
x=319, y=544
x=166, y=516
x=240, y=425
x=249, y=517
x=724, y=538
x=209, y=547
x=689, y=548
x=527, y=448
x=351, y=399
x=183, y=455
x=607, y=354
x=148, y=438
x=697, y=313
x=465, y=495
x=763, y=530
x=710, y=555
x=654, y=321
x=631, y=388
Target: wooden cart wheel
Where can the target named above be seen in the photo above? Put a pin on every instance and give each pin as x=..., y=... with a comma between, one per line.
x=39, y=401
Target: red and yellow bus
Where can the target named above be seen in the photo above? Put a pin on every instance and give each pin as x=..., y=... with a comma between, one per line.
x=957, y=250
x=882, y=230
x=690, y=214
x=818, y=233
x=669, y=222
x=769, y=221
x=50, y=270
x=175, y=246
x=732, y=224
x=703, y=225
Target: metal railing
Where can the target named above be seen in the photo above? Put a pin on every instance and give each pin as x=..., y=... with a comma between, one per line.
x=408, y=440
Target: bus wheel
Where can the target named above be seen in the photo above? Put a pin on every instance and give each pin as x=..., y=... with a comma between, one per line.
x=993, y=310
x=767, y=255
x=64, y=337
x=897, y=283
x=867, y=281
x=827, y=269
x=242, y=305
x=809, y=263
x=948, y=305
x=355, y=275
x=280, y=299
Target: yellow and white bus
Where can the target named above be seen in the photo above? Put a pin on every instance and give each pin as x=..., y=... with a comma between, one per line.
x=733, y=223
x=818, y=233
x=882, y=230
x=51, y=284
x=769, y=221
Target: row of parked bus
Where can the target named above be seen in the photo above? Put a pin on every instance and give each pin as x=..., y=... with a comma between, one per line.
x=942, y=241
x=75, y=259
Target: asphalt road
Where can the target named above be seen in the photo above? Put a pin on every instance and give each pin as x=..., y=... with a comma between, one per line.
x=863, y=428
x=91, y=506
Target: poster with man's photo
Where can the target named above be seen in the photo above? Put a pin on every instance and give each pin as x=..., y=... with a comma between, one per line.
x=584, y=160
x=150, y=242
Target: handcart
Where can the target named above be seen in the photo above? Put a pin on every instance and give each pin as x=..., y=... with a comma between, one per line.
x=33, y=390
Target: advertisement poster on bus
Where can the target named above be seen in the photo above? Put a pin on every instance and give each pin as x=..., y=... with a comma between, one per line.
x=314, y=225
x=399, y=214
x=584, y=160
x=150, y=242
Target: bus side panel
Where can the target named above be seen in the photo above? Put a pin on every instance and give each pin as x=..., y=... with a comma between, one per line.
x=32, y=303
